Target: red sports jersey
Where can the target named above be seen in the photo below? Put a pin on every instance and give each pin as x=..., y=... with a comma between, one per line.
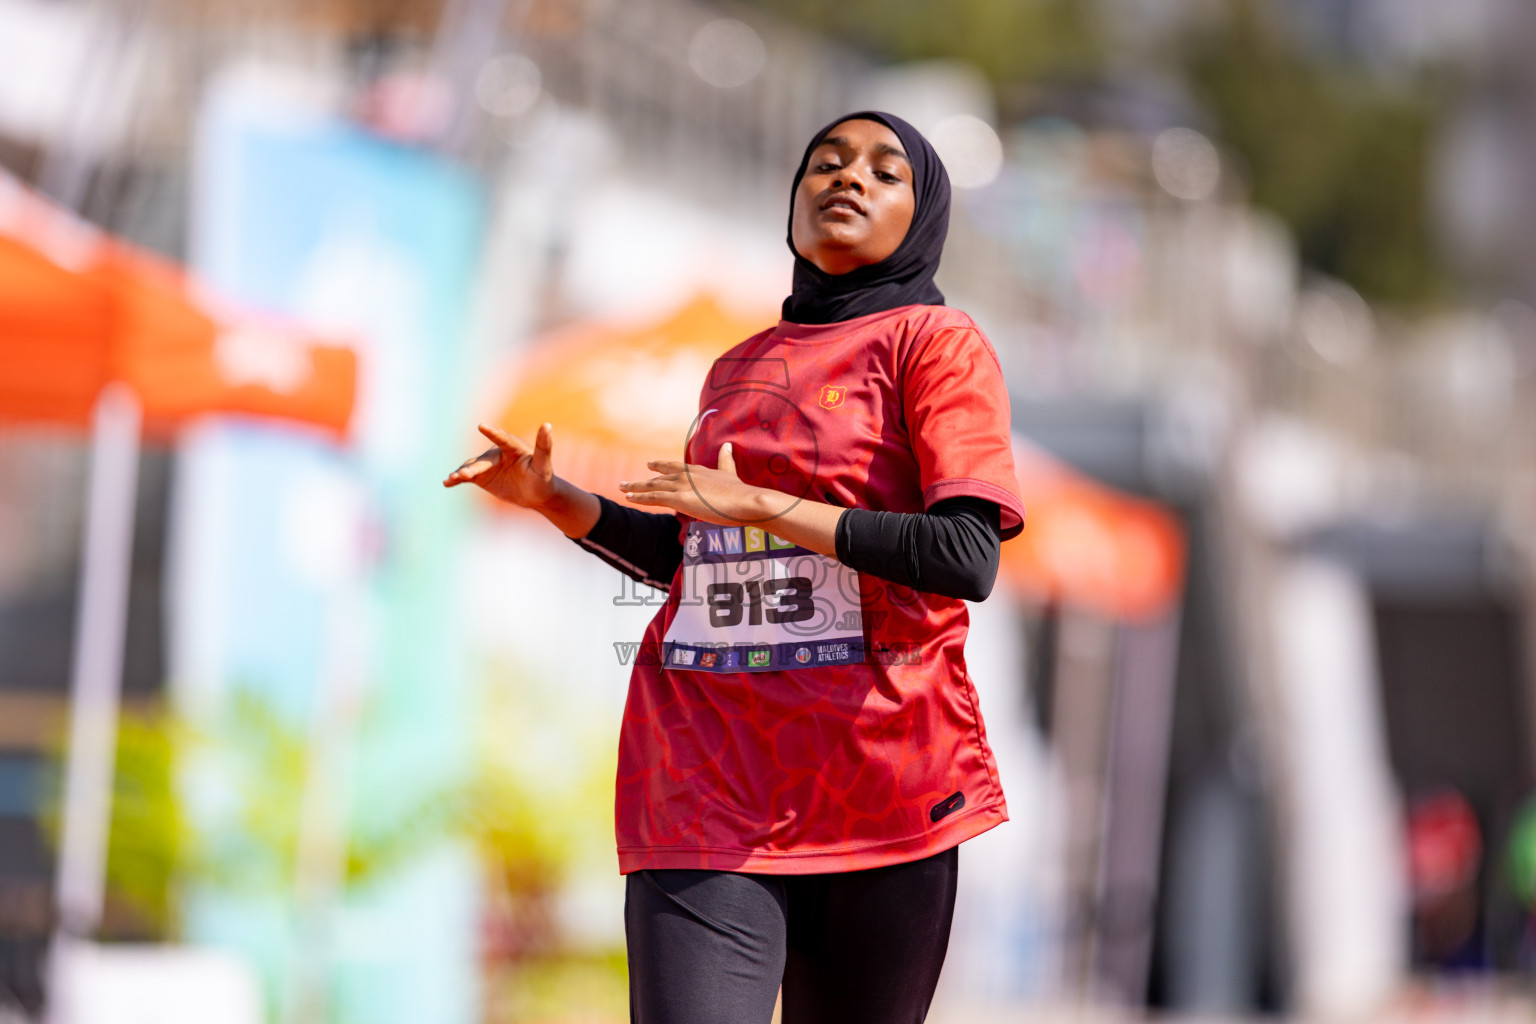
x=844, y=753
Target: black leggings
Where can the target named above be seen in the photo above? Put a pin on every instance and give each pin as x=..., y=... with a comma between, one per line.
x=712, y=947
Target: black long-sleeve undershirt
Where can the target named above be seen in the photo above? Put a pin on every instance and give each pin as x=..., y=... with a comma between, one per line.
x=953, y=549
x=642, y=545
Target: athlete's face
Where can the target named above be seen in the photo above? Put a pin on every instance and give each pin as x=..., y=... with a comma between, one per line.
x=854, y=204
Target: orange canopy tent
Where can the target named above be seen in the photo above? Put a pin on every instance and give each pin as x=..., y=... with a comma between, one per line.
x=1089, y=545
x=620, y=394
x=79, y=309
x=97, y=333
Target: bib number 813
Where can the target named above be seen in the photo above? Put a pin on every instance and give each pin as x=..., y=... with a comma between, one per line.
x=787, y=600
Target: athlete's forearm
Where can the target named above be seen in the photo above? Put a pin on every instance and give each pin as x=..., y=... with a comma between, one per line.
x=572, y=510
x=810, y=524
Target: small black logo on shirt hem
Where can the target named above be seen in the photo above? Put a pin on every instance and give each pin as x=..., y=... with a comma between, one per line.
x=948, y=805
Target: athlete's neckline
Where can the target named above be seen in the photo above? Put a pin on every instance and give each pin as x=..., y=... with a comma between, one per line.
x=788, y=330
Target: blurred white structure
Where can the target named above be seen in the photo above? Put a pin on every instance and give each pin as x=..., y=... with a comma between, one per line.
x=1347, y=894
x=129, y=984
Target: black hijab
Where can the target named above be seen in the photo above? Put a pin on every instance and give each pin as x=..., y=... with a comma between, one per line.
x=903, y=278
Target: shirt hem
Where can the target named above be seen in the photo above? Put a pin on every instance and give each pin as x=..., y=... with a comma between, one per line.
x=963, y=826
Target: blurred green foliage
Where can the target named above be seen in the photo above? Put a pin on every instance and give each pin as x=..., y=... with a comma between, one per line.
x=540, y=811
x=1339, y=152
x=1520, y=858
x=1009, y=40
x=259, y=765
x=560, y=989
x=150, y=836
x=217, y=804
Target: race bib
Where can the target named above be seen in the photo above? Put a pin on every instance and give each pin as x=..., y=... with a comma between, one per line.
x=751, y=602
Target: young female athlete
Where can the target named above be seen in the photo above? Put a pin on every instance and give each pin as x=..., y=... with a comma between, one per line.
x=801, y=751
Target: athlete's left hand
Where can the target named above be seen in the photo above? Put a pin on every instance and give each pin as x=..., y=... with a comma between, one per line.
x=713, y=495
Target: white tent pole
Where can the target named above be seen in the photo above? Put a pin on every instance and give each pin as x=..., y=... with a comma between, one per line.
x=96, y=677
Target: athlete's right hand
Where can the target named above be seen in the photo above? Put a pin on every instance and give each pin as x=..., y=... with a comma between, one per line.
x=512, y=471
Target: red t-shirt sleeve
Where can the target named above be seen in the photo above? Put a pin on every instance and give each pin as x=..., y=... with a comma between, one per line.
x=956, y=408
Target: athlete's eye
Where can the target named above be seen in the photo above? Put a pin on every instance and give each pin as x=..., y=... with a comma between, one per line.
x=888, y=177
x=827, y=168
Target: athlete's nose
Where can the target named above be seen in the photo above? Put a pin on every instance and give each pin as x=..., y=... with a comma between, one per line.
x=849, y=178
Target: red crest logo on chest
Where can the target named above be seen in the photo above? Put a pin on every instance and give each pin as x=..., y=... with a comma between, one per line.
x=832, y=395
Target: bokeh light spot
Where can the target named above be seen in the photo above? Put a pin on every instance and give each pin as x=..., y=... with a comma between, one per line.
x=727, y=53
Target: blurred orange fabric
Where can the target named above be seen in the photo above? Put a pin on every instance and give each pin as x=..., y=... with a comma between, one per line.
x=620, y=394
x=1092, y=546
x=79, y=309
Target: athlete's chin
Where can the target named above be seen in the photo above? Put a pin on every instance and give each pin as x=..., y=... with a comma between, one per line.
x=837, y=256
x=842, y=235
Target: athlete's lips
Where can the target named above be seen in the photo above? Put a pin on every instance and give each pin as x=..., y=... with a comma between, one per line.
x=844, y=200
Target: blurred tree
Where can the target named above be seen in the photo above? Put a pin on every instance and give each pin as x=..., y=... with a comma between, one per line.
x=217, y=806
x=248, y=771
x=1339, y=153
x=149, y=834
x=1009, y=40
x=261, y=761
x=541, y=813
